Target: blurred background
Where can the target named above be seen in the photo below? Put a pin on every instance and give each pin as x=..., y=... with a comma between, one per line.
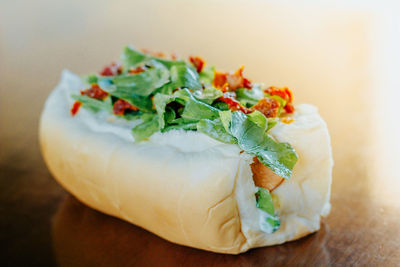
x=342, y=56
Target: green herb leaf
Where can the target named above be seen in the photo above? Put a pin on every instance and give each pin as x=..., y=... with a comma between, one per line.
x=279, y=157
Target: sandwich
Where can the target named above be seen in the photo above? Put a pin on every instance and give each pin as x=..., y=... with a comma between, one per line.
x=198, y=156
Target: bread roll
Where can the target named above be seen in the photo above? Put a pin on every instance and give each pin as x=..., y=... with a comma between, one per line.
x=183, y=185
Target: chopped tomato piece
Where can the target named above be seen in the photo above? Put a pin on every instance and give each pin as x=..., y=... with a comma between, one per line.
x=246, y=83
x=75, y=108
x=267, y=106
x=264, y=177
x=120, y=106
x=234, y=105
x=111, y=70
x=137, y=70
x=198, y=63
x=95, y=92
x=289, y=108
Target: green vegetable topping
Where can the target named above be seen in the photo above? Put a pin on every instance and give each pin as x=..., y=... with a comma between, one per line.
x=170, y=95
x=265, y=203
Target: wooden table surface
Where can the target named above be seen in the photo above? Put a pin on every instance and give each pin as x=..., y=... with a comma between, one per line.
x=41, y=224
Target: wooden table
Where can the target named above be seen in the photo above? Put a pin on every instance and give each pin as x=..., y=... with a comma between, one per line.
x=41, y=224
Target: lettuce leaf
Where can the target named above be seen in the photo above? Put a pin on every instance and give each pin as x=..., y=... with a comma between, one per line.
x=131, y=57
x=207, y=75
x=189, y=126
x=184, y=77
x=147, y=128
x=279, y=157
x=160, y=102
x=93, y=104
x=266, y=204
x=225, y=117
x=208, y=95
x=216, y=130
x=142, y=84
x=249, y=97
x=258, y=118
x=195, y=110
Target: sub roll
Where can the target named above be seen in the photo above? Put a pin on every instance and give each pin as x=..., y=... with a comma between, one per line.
x=201, y=158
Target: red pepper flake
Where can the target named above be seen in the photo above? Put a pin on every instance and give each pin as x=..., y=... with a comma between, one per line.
x=234, y=105
x=75, y=108
x=95, y=92
x=198, y=63
x=111, y=70
x=121, y=105
x=137, y=70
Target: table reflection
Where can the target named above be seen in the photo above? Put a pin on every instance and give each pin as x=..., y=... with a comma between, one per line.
x=84, y=237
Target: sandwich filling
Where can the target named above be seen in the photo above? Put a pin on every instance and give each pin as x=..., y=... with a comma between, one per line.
x=164, y=94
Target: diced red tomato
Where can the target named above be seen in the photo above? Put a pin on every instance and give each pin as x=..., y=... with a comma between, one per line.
x=120, y=106
x=198, y=63
x=95, y=92
x=111, y=70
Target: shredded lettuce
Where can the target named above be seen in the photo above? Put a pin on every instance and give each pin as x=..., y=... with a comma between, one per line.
x=142, y=84
x=195, y=110
x=132, y=57
x=147, y=128
x=171, y=95
x=266, y=204
x=207, y=75
x=208, y=95
x=249, y=97
x=216, y=130
x=93, y=104
x=253, y=139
